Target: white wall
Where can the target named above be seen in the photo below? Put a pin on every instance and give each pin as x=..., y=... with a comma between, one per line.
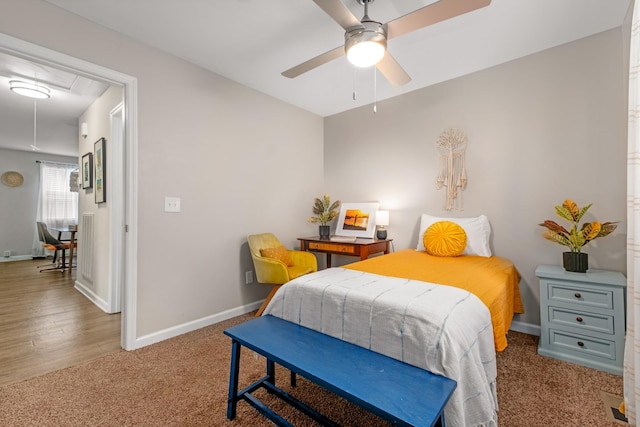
x=541, y=129
x=242, y=162
x=97, y=117
x=18, y=204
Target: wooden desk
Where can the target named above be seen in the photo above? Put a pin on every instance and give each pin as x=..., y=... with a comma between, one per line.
x=361, y=247
x=72, y=241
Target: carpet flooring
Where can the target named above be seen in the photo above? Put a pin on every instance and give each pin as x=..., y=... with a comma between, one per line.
x=184, y=382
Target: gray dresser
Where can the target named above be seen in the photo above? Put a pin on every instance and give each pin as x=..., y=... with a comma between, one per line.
x=582, y=317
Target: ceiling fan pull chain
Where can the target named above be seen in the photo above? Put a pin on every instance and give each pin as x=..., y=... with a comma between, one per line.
x=355, y=70
x=34, y=146
x=35, y=122
x=375, y=90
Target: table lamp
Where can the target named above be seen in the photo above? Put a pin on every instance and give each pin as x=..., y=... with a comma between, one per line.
x=382, y=220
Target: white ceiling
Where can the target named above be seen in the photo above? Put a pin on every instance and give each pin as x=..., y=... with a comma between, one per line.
x=253, y=41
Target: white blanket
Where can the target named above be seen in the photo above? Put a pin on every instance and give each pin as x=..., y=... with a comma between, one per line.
x=439, y=328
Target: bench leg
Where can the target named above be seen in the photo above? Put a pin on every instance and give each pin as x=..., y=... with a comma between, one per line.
x=271, y=372
x=233, y=380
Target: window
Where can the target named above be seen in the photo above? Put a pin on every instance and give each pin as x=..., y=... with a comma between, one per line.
x=57, y=204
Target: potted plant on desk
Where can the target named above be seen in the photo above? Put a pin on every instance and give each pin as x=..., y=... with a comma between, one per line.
x=325, y=212
x=575, y=238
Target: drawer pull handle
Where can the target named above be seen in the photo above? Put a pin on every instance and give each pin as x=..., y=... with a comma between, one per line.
x=580, y=343
x=579, y=319
x=577, y=295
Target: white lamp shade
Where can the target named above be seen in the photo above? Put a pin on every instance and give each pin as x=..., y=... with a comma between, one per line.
x=365, y=54
x=382, y=218
x=365, y=44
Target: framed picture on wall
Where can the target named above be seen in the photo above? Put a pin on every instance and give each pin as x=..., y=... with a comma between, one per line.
x=357, y=219
x=100, y=159
x=87, y=171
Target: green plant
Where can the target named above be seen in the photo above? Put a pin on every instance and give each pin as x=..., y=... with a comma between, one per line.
x=575, y=238
x=325, y=210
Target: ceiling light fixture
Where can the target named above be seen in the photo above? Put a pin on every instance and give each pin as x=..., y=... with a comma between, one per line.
x=32, y=90
x=365, y=44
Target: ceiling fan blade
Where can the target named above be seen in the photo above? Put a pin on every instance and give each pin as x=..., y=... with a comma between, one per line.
x=428, y=15
x=314, y=62
x=392, y=71
x=338, y=12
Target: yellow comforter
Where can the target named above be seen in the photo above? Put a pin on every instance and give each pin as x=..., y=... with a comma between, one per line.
x=494, y=280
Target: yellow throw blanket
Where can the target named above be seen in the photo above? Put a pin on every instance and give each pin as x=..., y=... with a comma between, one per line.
x=494, y=280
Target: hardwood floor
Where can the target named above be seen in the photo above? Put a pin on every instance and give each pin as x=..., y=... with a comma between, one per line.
x=46, y=324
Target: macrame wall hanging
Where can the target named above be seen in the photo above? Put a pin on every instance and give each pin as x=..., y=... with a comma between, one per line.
x=452, y=145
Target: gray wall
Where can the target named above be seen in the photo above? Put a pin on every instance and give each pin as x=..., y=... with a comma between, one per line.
x=541, y=129
x=18, y=204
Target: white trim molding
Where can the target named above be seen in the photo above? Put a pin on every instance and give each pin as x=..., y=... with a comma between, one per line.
x=16, y=258
x=525, y=328
x=91, y=296
x=184, y=328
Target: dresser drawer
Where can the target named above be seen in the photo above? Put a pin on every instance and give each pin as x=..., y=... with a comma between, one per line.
x=582, y=345
x=589, y=297
x=345, y=249
x=586, y=321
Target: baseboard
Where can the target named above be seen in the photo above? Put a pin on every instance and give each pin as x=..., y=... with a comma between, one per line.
x=174, y=331
x=91, y=296
x=525, y=328
x=17, y=258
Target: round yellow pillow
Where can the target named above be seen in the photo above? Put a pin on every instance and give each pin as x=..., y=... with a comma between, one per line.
x=445, y=238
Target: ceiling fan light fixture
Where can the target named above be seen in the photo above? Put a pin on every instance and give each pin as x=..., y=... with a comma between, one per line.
x=32, y=90
x=366, y=44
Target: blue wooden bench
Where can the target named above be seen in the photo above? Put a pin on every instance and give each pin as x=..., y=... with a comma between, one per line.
x=400, y=393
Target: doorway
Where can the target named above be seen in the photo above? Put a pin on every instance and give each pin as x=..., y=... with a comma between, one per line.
x=123, y=209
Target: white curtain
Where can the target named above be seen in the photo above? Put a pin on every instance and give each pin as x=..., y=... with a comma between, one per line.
x=632, y=345
x=57, y=205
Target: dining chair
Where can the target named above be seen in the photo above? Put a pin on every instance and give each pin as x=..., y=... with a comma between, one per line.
x=51, y=243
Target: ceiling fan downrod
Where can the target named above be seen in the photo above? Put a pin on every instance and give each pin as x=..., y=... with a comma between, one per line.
x=365, y=3
x=365, y=44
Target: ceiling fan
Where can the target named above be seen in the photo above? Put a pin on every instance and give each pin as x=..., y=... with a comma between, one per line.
x=368, y=37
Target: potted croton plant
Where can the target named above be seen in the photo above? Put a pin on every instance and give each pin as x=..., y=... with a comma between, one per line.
x=575, y=238
x=325, y=212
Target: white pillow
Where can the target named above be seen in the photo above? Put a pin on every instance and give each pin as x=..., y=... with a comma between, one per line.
x=478, y=233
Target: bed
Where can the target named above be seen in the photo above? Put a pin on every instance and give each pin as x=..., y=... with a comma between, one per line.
x=447, y=315
x=494, y=280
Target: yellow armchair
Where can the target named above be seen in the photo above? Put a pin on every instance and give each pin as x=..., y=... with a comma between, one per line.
x=275, y=265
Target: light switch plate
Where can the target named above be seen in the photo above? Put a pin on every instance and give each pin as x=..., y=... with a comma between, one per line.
x=172, y=204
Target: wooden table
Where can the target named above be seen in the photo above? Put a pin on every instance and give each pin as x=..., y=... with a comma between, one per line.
x=72, y=240
x=360, y=247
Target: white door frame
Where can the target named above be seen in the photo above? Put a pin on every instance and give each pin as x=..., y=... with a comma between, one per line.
x=117, y=178
x=127, y=199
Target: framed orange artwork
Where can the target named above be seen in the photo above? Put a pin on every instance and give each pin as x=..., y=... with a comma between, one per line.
x=357, y=219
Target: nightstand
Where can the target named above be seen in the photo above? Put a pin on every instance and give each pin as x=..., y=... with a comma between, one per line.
x=582, y=317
